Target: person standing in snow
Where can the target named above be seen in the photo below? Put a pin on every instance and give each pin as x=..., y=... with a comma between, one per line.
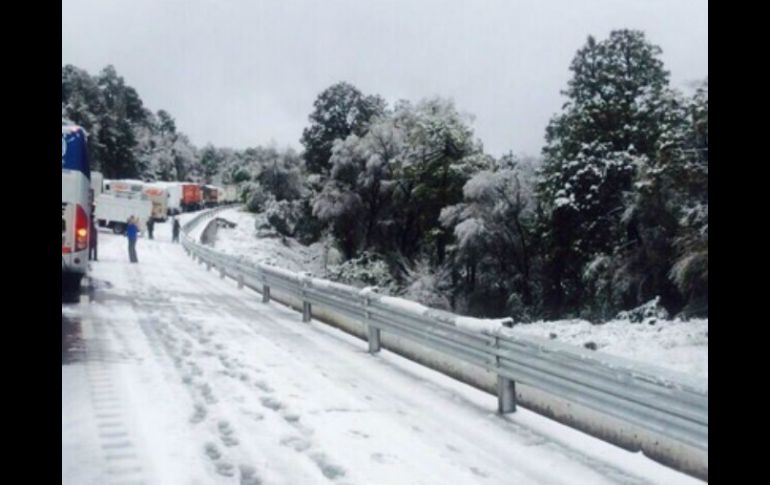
x=175, y=230
x=92, y=240
x=132, y=232
x=150, y=226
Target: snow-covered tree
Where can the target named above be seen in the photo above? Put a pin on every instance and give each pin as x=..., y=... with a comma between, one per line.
x=494, y=256
x=126, y=140
x=340, y=110
x=123, y=112
x=210, y=161
x=280, y=174
x=360, y=187
x=668, y=211
x=386, y=189
x=440, y=154
x=609, y=126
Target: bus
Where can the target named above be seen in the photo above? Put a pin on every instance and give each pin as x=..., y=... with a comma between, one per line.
x=75, y=209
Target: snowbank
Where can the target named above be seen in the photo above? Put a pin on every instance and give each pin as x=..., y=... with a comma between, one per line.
x=674, y=344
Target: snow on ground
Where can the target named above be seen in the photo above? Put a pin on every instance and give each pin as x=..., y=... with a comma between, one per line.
x=270, y=248
x=678, y=345
x=675, y=344
x=174, y=376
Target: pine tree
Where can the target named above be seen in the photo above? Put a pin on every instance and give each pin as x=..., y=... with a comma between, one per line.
x=608, y=127
x=669, y=210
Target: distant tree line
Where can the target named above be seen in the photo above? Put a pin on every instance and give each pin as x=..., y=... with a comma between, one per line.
x=126, y=140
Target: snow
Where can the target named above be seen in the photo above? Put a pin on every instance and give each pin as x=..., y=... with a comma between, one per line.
x=185, y=379
x=243, y=241
x=676, y=345
x=405, y=305
x=563, y=201
x=481, y=325
x=468, y=230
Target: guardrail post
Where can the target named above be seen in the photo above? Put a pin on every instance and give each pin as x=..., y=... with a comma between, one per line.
x=265, y=290
x=506, y=388
x=373, y=333
x=306, y=308
x=240, y=281
x=306, y=311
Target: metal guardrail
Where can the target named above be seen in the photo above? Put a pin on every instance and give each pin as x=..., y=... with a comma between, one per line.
x=636, y=406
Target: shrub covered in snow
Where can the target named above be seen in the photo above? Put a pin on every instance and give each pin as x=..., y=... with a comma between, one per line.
x=368, y=269
x=650, y=310
x=428, y=286
x=282, y=216
x=255, y=196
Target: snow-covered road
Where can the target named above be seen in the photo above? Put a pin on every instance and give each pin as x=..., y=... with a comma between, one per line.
x=171, y=375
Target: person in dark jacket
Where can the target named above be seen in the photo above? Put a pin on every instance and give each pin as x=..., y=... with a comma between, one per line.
x=150, y=226
x=132, y=231
x=175, y=230
x=92, y=241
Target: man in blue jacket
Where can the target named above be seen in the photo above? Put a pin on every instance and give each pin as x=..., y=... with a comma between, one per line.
x=131, y=232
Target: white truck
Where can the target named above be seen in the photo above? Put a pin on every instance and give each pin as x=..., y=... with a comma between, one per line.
x=158, y=195
x=156, y=192
x=113, y=210
x=123, y=186
x=174, y=191
x=230, y=194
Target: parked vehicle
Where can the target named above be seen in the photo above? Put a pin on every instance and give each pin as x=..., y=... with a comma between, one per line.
x=158, y=195
x=210, y=194
x=229, y=194
x=174, y=201
x=113, y=210
x=191, y=197
x=123, y=186
x=75, y=208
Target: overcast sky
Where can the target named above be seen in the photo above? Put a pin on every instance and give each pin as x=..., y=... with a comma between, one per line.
x=243, y=73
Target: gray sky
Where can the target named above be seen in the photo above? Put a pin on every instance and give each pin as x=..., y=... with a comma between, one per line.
x=242, y=73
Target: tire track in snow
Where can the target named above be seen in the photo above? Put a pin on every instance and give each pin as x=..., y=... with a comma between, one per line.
x=123, y=461
x=220, y=297
x=246, y=313
x=530, y=437
x=189, y=339
x=168, y=326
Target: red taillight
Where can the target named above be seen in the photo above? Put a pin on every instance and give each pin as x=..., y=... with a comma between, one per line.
x=81, y=229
